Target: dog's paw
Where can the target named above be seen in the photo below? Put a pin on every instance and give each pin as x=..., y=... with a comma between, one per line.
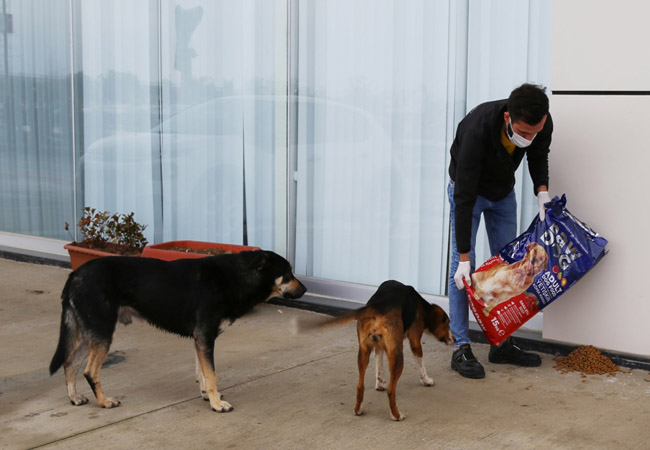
x=78, y=400
x=205, y=396
x=398, y=418
x=358, y=411
x=380, y=385
x=427, y=381
x=223, y=407
x=110, y=402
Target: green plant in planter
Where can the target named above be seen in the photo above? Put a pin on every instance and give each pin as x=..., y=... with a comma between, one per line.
x=112, y=233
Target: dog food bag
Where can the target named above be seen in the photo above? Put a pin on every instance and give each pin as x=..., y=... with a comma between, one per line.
x=537, y=267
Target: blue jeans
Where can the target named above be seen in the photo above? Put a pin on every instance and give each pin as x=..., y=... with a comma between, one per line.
x=501, y=227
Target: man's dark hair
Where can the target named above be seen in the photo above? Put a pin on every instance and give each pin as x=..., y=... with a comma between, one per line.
x=528, y=103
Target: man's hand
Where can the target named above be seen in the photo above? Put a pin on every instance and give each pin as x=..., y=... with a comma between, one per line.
x=542, y=198
x=463, y=272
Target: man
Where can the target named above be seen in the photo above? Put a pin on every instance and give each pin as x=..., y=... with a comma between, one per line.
x=490, y=143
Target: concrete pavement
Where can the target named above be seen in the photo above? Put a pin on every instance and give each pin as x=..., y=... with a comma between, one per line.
x=289, y=391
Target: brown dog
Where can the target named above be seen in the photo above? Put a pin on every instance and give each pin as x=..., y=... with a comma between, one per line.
x=503, y=281
x=394, y=313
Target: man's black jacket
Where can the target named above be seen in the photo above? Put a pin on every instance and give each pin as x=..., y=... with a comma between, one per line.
x=480, y=164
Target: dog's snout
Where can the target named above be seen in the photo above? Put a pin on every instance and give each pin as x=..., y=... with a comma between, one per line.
x=444, y=334
x=294, y=289
x=449, y=338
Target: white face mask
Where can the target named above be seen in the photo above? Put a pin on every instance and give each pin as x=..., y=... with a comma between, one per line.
x=516, y=139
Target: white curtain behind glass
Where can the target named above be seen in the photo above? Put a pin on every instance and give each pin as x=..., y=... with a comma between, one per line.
x=370, y=198
x=391, y=80
x=180, y=116
x=36, y=188
x=220, y=77
x=118, y=42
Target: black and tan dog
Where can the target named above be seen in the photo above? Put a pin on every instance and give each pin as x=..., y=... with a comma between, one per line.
x=394, y=313
x=188, y=297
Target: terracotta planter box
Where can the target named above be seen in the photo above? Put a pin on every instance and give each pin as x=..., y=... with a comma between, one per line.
x=81, y=255
x=169, y=251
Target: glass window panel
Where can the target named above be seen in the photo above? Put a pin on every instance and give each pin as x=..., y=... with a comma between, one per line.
x=180, y=115
x=36, y=169
x=372, y=148
x=118, y=164
x=386, y=84
x=224, y=119
x=184, y=116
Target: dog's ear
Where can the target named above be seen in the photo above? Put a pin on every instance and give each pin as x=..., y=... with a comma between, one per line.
x=439, y=325
x=259, y=260
x=435, y=317
x=531, y=246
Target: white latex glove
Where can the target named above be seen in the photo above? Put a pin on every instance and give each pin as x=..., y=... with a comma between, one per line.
x=542, y=198
x=463, y=272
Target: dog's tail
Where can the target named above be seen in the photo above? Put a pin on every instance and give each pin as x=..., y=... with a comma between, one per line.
x=342, y=319
x=65, y=333
x=310, y=324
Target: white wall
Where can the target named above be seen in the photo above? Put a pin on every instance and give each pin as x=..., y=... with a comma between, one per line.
x=600, y=157
x=600, y=45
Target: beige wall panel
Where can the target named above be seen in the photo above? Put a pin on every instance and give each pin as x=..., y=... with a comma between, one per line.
x=601, y=45
x=600, y=157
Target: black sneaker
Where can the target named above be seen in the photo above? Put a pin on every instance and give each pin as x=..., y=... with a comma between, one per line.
x=510, y=353
x=464, y=362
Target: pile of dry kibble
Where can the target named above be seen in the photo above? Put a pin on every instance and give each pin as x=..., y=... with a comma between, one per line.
x=588, y=360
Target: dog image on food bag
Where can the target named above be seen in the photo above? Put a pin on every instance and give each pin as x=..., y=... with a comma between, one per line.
x=394, y=312
x=502, y=281
x=187, y=297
